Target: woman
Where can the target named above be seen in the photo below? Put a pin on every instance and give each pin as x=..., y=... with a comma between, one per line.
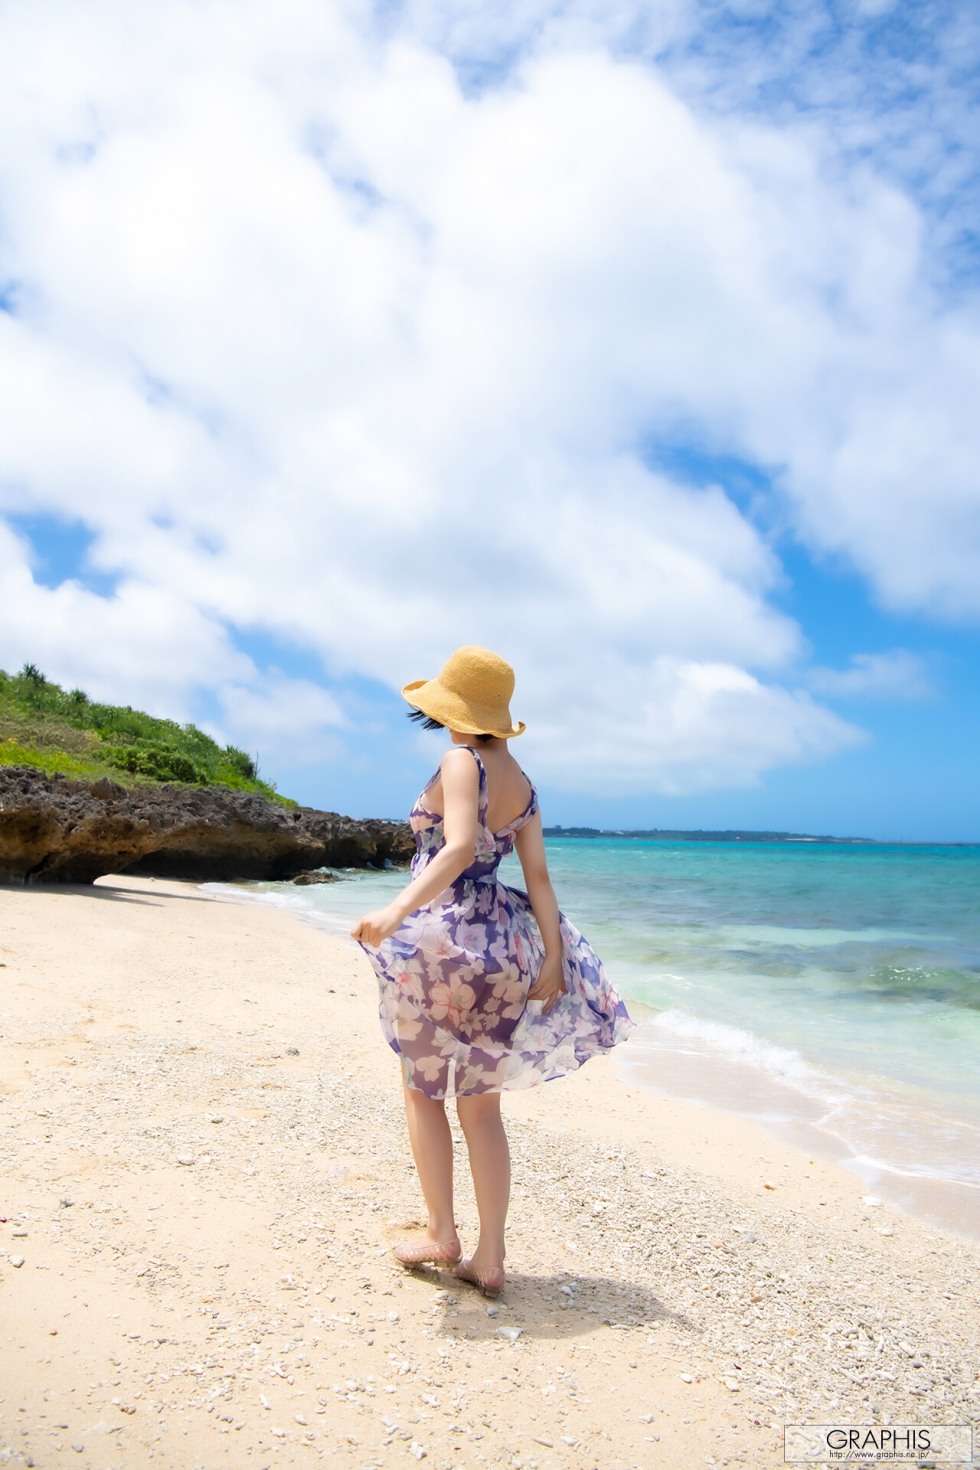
x=483, y=987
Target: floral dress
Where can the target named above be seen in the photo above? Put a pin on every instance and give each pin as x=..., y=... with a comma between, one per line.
x=454, y=977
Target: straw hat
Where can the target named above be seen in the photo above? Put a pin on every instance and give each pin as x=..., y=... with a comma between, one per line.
x=471, y=694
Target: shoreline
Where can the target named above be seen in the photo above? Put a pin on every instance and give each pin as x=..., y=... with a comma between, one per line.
x=722, y=1085
x=681, y=1070
x=205, y=1168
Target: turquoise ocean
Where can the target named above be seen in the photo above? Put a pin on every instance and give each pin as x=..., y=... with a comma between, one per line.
x=829, y=991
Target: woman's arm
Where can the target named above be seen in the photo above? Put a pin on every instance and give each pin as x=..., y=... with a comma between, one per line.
x=461, y=804
x=529, y=843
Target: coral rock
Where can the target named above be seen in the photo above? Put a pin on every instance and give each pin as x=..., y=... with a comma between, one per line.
x=53, y=830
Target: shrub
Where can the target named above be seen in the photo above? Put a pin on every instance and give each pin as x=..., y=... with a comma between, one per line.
x=43, y=717
x=161, y=762
x=239, y=762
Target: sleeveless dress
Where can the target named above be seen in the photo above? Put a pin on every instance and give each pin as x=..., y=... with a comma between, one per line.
x=454, y=977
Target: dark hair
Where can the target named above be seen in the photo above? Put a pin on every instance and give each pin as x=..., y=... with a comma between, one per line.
x=428, y=723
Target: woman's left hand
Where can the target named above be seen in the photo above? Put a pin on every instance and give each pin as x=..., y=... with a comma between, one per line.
x=550, y=983
x=374, y=927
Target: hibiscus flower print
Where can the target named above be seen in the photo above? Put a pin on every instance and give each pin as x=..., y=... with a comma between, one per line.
x=453, y=979
x=524, y=952
x=471, y=935
x=439, y=943
x=408, y=984
x=430, y=1067
x=450, y=999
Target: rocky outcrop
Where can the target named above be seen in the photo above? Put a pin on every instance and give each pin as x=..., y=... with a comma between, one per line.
x=53, y=830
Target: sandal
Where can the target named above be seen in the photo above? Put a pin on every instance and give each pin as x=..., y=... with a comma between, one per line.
x=490, y=1281
x=428, y=1253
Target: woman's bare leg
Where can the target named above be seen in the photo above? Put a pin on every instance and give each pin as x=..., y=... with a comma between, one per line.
x=486, y=1142
x=432, y=1148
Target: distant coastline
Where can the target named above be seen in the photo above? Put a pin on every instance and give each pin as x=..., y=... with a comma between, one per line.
x=664, y=834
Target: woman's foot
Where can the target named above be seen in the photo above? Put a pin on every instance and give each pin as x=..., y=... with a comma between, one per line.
x=488, y=1279
x=427, y=1252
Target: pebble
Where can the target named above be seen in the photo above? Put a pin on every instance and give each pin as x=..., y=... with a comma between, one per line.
x=807, y=1279
x=185, y=1159
x=17, y=1261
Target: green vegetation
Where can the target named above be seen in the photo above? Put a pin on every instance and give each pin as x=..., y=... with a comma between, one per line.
x=44, y=726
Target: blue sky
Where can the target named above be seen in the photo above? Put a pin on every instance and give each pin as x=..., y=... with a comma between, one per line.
x=641, y=344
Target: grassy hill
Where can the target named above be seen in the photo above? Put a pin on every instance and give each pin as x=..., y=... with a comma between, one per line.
x=44, y=726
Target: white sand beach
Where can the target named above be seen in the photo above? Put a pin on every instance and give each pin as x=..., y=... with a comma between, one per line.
x=204, y=1168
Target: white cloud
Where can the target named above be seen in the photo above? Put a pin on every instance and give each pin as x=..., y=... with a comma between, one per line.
x=146, y=645
x=697, y=726
x=893, y=485
x=898, y=674
x=282, y=712
x=317, y=342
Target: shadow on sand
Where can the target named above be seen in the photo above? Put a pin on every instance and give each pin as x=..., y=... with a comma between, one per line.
x=545, y=1306
x=113, y=893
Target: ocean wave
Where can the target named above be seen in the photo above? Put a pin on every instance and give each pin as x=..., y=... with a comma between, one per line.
x=879, y=1134
x=736, y=1044
x=872, y=1167
x=280, y=898
x=314, y=905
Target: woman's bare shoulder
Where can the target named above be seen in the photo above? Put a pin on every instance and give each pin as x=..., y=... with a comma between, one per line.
x=458, y=755
x=459, y=768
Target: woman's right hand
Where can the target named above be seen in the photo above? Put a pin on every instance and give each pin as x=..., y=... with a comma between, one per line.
x=374, y=927
x=550, y=983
